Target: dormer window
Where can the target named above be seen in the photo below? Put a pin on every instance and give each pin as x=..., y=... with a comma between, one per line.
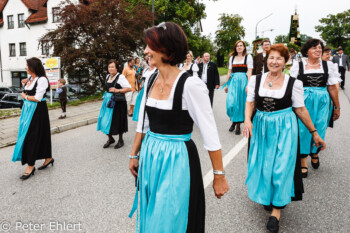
x=10, y=21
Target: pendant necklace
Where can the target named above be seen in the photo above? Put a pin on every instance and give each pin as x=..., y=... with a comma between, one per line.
x=271, y=82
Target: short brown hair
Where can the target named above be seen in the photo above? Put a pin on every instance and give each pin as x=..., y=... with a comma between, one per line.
x=234, y=52
x=266, y=40
x=309, y=44
x=168, y=38
x=326, y=49
x=116, y=63
x=281, y=48
x=62, y=80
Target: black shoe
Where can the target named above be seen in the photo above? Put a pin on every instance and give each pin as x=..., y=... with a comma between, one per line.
x=45, y=166
x=342, y=88
x=238, y=131
x=108, y=143
x=26, y=175
x=304, y=174
x=272, y=224
x=267, y=207
x=317, y=164
x=119, y=145
x=232, y=127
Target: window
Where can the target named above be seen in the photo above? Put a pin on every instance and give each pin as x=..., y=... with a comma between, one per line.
x=21, y=20
x=22, y=49
x=12, y=50
x=45, y=50
x=55, y=15
x=17, y=77
x=11, y=23
x=12, y=98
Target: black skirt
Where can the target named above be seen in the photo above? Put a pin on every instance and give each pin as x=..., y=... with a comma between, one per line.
x=119, y=123
x=37, y=143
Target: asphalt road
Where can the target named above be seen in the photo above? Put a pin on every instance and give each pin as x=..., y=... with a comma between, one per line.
x=90, y=189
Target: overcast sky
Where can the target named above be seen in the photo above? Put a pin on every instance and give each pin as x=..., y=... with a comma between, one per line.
x=310, y=11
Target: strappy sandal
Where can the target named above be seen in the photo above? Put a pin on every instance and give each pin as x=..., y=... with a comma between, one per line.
x=317, y=164
x=304, y=174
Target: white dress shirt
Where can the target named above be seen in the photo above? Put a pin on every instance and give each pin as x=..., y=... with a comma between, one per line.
x=204, y=72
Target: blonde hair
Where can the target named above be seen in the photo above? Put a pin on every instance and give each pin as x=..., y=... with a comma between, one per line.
x=62, y=80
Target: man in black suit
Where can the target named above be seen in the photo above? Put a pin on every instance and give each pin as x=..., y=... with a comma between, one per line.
x=260, y=61
x=343, y=61
x=208, y=72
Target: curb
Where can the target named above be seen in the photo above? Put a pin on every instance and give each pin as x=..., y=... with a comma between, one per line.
x=63, y=128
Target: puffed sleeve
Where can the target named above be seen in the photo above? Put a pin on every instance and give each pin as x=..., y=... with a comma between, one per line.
x=298, y=94
x=195, y=69
x=294, y=70
x=122, y=81
x=333, y=74
x=199, y=108
x=230, y=63
x=251, y=89
x=43, y=84
x=140, y=122
x=250, y=61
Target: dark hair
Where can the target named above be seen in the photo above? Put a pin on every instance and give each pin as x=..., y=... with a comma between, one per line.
x=309, y=44
x=326, y=50
x=234, y=52
x=130, y=59
x=168, y=38
x=266, y=40
x=281, y=48
x=116, y=63
x=36, y=66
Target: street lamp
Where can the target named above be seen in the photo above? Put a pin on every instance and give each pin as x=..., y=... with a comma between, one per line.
x=262, y=32
x=153, y=12
x=256, y=26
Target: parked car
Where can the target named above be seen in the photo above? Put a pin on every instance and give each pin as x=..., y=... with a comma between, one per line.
x=12, y=100
x=6, y=90
x=55, y=98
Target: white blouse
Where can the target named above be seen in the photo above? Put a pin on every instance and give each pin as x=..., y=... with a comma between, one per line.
x=195, y=99
x=249, y=62
x=43, y=84
x=297, y=93
x=333, y=74
x=122, y=81
x=195, y=68
x=147, y=72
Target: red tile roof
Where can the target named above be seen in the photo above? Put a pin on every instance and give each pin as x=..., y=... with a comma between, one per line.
x=36, y=7
x=2, y=6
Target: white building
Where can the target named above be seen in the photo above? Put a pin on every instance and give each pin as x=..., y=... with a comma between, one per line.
x=22, y=24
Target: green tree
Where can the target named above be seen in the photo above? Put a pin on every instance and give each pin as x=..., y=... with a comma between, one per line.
x=230, y=30
x=335, y=30
x=285, y=39
x=186, y=13
x=92, y=33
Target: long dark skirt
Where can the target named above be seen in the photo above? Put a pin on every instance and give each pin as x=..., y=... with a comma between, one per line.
x=119, y=123
x=37, y=144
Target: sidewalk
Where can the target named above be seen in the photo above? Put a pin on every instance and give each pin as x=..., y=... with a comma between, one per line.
x=77, y=116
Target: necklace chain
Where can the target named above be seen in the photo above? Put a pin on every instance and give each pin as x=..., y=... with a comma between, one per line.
x=272, y=81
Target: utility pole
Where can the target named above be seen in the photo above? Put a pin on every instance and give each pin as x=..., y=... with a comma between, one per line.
x=256, y=26
x=153, y=12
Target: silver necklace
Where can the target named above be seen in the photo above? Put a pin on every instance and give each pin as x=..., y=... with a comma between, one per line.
x=272, y=81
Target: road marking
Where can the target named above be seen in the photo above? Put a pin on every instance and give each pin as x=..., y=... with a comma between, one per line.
x=208, y=178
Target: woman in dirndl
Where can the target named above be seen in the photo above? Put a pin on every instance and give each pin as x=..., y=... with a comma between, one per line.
x=34, y=135
x=113, y=119
x=169, y=179
x=273, y=177
x=320, y=79
x=148, y=71
x=239, y=72
x=189, y=66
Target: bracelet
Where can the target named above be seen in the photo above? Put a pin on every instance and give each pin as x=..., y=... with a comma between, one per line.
x=336, y=108
x=217, y=172
x=134, y=157
x=26, y=97
x=313, y=131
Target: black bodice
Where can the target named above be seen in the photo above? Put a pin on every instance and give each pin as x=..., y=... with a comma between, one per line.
x=313, y=79
x=33, y=91
x=269, y=104
x=175, y=121
x=114, y=84
x=239, y=67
